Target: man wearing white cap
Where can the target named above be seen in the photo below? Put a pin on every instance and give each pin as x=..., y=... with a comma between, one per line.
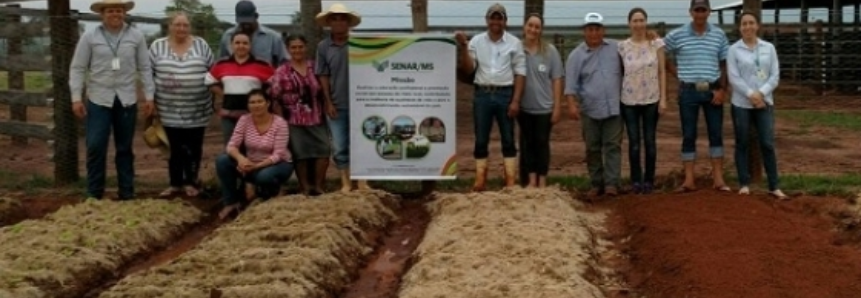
x=332, y=68
x=593, y=88
x=266, y=44
x=499, y=63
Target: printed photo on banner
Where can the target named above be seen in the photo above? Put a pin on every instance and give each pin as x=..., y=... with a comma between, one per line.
x=402, y=106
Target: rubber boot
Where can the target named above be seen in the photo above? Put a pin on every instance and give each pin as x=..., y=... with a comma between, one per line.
x=480, y=175
x=510, y=164
x=346, y=185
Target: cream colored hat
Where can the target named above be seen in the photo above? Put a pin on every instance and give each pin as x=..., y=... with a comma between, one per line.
x=98, y=6
x=155, y=137
x=338, y=8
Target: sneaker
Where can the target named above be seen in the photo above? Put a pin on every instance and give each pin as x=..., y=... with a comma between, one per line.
x=648, y=188
x=594, y=193
x=636, y=188
x=778, y=194
x=744, y=190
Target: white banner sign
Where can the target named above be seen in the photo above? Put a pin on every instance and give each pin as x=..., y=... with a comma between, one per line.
x=402, y=107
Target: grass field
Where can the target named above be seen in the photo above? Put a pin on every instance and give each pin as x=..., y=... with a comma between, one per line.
x=33, y=81
x=833, y=119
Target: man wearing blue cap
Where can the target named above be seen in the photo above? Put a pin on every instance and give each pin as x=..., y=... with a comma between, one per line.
x=266, y=44
x=593, y=88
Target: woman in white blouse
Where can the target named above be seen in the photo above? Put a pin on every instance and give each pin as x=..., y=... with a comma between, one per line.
x=754, y=73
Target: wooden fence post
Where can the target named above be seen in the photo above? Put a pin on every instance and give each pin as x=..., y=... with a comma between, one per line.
x=17, y=112
x=64, y=37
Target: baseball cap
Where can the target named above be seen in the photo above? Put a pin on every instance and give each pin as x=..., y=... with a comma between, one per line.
x=700, y=4
x=246, y=11
x=593, y=18
x=496, y=8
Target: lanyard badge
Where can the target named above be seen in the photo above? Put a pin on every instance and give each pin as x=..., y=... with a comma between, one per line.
x=115, y=62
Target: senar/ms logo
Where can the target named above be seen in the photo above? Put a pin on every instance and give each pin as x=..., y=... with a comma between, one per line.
x=412, y=66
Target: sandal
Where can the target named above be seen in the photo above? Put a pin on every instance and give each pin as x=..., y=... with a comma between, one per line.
x=777, y=194
x=685, y=189
x=191, y=191
x=722, y=188
x=230, y=211
x=170, y=191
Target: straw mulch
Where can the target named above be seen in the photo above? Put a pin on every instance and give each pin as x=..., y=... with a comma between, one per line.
x=513, y=243
x=8, y=207
x=68, y=252
x=286, y=247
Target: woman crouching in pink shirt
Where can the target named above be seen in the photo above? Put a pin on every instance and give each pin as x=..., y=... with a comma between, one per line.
x=266, y=163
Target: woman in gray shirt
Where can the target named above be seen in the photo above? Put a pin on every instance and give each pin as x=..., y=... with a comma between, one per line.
x=540, y=107
x=109, y=58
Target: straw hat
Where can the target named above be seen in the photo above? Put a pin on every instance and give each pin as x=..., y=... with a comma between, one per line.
x=338, y=8
x=98, y=6
x=155, y=137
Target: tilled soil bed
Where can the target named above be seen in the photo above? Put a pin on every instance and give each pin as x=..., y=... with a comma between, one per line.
x=287, y=247
x=73, y=249
x=513, y=243
x=707, y=244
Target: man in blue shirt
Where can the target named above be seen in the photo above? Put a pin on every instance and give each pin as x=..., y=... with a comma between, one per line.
x=700, y=51
x=593, y=88
x=266, y=44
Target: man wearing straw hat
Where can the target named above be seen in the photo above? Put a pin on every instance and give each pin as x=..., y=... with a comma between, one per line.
x=266, y=44
x=109, y=58
x=332, y=69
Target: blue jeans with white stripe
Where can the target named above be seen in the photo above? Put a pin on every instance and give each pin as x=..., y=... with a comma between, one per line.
x=690, y=102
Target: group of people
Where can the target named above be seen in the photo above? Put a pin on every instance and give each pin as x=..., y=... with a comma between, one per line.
x=280, y=110
x=613, y=86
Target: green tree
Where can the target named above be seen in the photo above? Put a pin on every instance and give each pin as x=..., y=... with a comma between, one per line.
x=296, y=19
x=204, y=22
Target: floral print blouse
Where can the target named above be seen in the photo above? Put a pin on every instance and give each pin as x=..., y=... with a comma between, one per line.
x=641, y=84
x=298, y=94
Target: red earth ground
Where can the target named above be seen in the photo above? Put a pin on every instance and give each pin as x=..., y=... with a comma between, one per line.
x=710, y=244
x=703, y=244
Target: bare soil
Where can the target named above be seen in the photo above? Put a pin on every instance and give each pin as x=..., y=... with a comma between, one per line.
x=381, y=276
x=815, y=149
x=710, y=244
x=35, y=207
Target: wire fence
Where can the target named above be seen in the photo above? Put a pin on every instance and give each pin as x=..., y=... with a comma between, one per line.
x=819, y=98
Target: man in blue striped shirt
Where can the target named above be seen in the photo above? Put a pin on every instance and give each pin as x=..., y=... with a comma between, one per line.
x=700, y=51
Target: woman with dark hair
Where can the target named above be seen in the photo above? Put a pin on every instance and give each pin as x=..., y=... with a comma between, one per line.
x=264, y=165
x=754, y=73
x=541, y=104
x=644, y=97
x=295, y=89
x=231, y=78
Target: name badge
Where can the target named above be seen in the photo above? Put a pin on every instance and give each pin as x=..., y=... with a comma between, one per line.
x=115, y=64
x=761, y=74
x=542, y=68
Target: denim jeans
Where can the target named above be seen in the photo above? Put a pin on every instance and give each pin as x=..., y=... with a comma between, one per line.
x=489, y=105
x=763, y=121
x=267, y=181
x=534, y=144
x=641, y=122
x=690, y=102
x=340, y=129
x=100, y=122
x=186, y=150
x=227, y=126
x=603, y=150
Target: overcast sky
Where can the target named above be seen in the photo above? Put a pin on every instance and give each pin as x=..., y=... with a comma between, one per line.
x=392, y=14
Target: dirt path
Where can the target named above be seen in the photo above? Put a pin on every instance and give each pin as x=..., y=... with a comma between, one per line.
x=709, y=244
x=381, y=277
